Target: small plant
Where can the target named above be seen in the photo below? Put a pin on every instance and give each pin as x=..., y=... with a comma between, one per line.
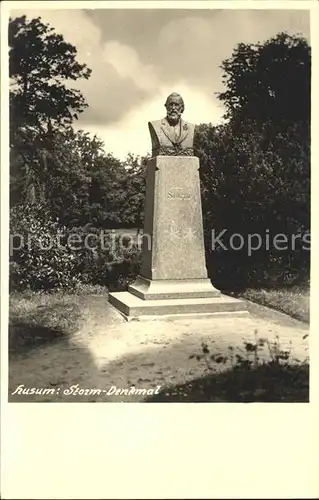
x=277, y=354
x=217, y=357
x=251, y=358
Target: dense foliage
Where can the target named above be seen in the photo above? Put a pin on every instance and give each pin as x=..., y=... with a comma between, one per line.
x=49, y=255
x=255, y=168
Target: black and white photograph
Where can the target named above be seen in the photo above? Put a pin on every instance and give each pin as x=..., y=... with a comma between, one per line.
x=159, y=239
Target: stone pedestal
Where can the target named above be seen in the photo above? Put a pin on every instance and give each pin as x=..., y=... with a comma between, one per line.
x=173, y=278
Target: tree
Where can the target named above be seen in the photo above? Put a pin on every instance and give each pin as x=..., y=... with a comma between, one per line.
x=134, y=187
x=85, y=185
x=268, y=83
x=255, y=169
x=40, y=65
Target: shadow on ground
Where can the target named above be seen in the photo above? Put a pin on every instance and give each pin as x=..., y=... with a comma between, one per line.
x=233, y=379
x=264, y=384
x=64, y=364
x=42, y=325
x=53, y=373
x=23, y=337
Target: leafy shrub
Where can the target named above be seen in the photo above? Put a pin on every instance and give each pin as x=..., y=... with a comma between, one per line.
x=108, y=260
x=39, y=258
x=46, y=255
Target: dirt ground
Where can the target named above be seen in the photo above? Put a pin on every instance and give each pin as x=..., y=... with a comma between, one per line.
x=106, y=351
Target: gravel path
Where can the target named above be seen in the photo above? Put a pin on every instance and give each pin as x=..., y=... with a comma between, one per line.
x=108, y=351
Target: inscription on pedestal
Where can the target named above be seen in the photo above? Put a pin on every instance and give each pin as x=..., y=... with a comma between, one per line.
x=178, y=193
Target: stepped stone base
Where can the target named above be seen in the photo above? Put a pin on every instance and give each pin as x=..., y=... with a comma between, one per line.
x=133, y=307
x=147, y=289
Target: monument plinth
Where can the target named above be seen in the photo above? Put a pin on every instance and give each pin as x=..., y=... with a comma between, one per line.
x=173, y=278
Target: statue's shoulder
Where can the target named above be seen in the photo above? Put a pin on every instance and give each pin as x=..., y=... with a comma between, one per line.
x=156, y=123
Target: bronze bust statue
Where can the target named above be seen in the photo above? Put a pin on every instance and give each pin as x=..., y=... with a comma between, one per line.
x=172, y=136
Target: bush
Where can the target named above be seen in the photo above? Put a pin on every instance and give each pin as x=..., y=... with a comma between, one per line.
x=39, y=258
x=46, y=255
x=109, y=262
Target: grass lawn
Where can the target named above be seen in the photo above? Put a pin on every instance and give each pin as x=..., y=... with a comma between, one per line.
x=292, y=301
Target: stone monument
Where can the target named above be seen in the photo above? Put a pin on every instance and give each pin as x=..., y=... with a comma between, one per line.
x=173, y=279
